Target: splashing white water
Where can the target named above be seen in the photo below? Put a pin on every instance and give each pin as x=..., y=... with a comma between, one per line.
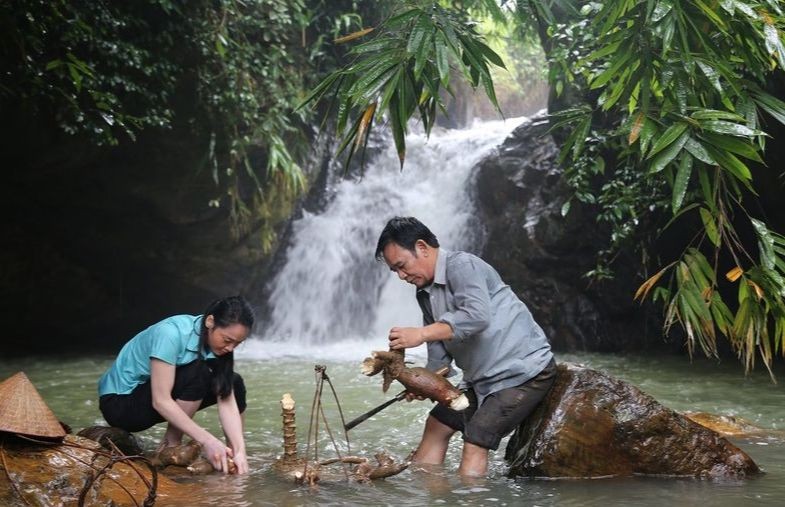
x=331, y=298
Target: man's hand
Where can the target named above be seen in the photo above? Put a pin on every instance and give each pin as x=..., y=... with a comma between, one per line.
x=406, y=337
x=411, y=397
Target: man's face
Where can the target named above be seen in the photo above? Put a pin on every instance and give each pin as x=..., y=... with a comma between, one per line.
x=415, y=267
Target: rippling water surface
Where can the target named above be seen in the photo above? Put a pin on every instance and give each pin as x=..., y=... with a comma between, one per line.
x=69, y=387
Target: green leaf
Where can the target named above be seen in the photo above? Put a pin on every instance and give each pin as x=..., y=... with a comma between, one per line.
x=611, y=72
x=772, y=105
x=710, y=74
x=715, y=114
x=401, y=19
x=673, y=132
x=490, y=54
x=732, y=144
x=774, y=43
x=766, y=243
x=566, y=207
x=681, y=182
x=397, y=124
x=442, y=60
x=604, y=51
x=711, y=14
x=733, y=165
x=416, y=38
x=698, y=151
x=730, y=128
x=320, y=89
x=421, y=59
x=668, y=154
x=648, y=130
x=710, y=226
x=698, y=263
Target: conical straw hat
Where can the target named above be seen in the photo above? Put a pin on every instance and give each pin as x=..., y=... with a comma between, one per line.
x=23, y=411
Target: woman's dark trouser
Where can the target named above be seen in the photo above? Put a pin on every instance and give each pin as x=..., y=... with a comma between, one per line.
x=192, y=381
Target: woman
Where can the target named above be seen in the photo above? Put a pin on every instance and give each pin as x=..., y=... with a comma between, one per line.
x=178, y=366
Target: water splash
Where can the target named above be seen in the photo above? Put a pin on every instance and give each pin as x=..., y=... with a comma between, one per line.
x=331, y=290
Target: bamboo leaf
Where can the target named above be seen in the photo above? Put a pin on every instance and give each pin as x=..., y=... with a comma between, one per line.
x=646, y=286
x=710, y=74
x=730, y=128
x=772, y=105
x=681, y=182
x=442, y=60
x=637, y=125
x=490, y=54
x=401, y=19
x=711, y=14
x=715, y=114
x=617, y=63
x=710, y=226
x=734, y=274
x=352, y=36
x=731, y=164
x=765, y=243
x=604, y=51
x=671, y=134
x=668, y=154
x=421, y=27
x=774, y=43
x=698, y=151
x=732, y=144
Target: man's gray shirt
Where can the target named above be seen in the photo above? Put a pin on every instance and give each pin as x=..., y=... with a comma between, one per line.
x=496, y=342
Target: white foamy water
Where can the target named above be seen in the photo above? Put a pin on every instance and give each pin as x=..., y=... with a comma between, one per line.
x=331, y=298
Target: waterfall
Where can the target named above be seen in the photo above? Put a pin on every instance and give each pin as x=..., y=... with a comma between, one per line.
x=331, y=294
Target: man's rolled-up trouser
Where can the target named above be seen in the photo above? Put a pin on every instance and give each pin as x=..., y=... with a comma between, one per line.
x=500, y=413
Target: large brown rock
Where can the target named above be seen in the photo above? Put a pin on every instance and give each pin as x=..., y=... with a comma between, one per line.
x=55, y=474
x=593, y=425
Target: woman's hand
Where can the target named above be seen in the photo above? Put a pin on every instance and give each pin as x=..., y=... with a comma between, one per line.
x=216, y=453
x=241, y=462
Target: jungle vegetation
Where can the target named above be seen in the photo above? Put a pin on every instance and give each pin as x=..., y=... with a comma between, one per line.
x=662, y=109
x=231, y=72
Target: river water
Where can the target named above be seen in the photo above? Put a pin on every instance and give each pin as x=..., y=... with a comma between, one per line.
x=331, y=303
x=69, y=387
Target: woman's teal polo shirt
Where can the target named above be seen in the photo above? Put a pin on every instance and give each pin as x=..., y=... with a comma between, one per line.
x=174, y=340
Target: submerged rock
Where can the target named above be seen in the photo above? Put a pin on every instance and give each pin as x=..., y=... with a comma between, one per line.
x=732, y=426
x=593, y=425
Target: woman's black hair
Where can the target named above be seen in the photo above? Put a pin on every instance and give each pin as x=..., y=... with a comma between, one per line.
x=404, y=231
x=226, y=311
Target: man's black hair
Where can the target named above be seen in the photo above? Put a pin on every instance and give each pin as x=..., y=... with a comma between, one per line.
x=404, y=232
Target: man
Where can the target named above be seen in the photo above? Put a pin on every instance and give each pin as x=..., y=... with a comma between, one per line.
x=472, y=317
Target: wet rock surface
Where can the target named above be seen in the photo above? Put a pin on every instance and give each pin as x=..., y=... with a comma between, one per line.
x=56, y=474
x=732, y=426
x=544, y=256
x=593, y=425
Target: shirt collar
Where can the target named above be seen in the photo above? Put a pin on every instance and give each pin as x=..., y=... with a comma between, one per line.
x=195, y=338
x=440, y=270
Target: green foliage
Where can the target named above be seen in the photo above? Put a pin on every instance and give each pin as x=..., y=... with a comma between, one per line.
x=230, y=72
x=402, y=70
x=672, y=118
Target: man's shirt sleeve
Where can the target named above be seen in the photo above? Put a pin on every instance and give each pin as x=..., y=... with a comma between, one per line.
x=472, y=302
